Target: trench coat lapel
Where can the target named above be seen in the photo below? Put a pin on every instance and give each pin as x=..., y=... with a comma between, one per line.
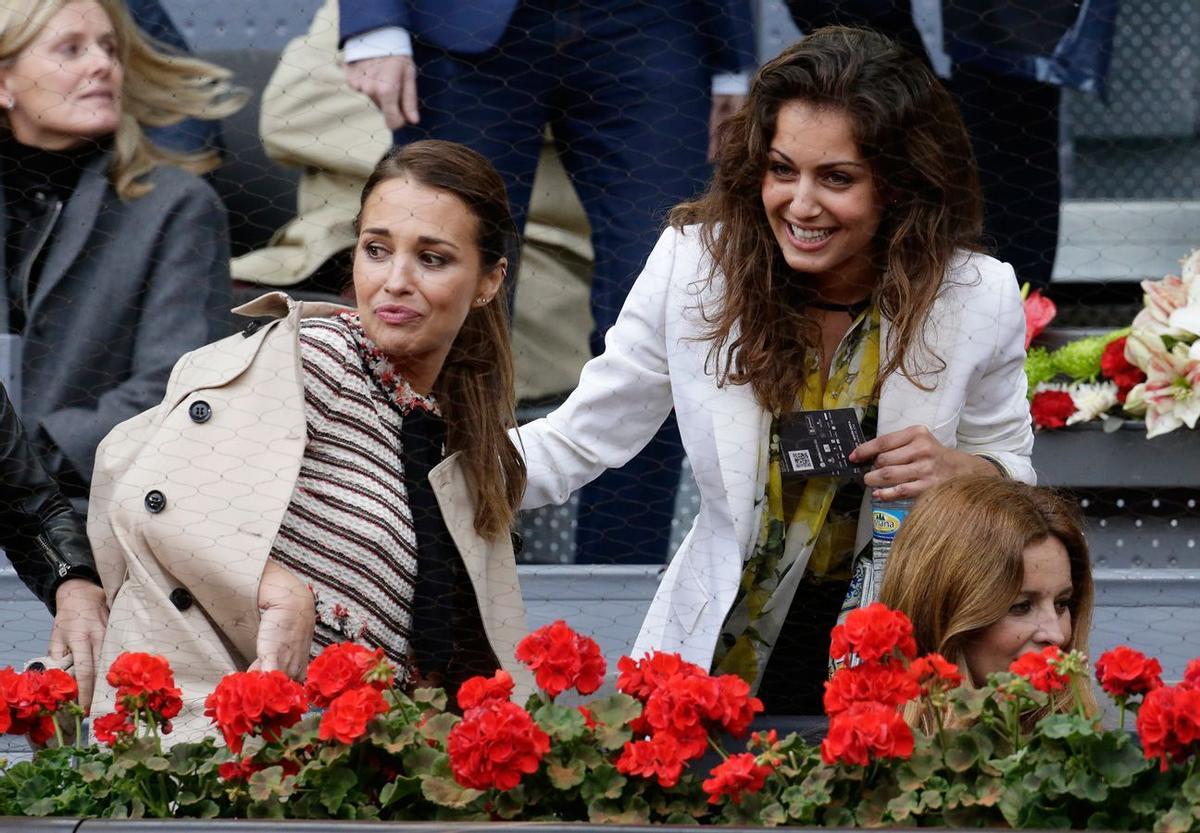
x=73, y=229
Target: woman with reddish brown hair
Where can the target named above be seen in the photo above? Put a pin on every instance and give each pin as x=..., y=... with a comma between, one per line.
x=833, y=263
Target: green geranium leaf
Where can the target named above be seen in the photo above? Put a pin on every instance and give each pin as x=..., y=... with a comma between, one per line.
x=434, y=698
x=1191, y=789
x=447, y=792
x=510, y=803
x=1179, y=819
x=1117, y=759
x=402, y=787
x=602, y=782
x=1088, y=786
x=561, y=722
x=437, y=728
x=611, y=811
x=566, y=775
x=336, y=783
x=92, y=771
x=615, y=710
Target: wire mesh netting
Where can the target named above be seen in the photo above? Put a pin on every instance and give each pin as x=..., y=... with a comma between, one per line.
x=356, y=451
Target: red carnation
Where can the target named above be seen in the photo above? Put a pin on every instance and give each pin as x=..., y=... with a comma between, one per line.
x=886, y=684
x=255, y=703
x=1168, y=724
x=1039, y=667
x=1124, y=672
x=1191, y=675
x=342, y=667
x=1119, y=369
x=1051, y=408
x=494, y=745
x=873, y=633
x=736, y=776
x=346, y=718
x=479, y=690
x=642, y=678
x=865, y=731
x=661, y=757
x=114, y=727
x=934, y=672
x=562, y=659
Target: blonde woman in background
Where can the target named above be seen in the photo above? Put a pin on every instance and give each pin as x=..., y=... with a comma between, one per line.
x=116, y=255
x=988, y=570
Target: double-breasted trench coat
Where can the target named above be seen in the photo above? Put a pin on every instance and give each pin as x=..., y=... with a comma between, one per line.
x=187, y=499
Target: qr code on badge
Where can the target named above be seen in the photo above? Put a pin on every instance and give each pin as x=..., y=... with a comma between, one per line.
x=801, y=460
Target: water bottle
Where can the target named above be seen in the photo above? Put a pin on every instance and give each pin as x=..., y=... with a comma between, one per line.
x=887, y=518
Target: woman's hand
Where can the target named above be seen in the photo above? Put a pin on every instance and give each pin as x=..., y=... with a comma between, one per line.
x=79, y=625
x=911, y=461
x=285, y=630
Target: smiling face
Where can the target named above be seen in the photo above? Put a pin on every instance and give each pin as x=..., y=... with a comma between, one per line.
x=1038, y=618
x=417, y=272
x=821, y=200
x=65, y=87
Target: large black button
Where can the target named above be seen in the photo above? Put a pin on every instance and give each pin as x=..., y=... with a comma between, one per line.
x=251, y=328
x=200, y=411
x=181, y=598
x=36, y=666
x=156, y=501
x=518, y=543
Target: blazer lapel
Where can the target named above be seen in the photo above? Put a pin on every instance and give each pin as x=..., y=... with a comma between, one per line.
x=739, y=426
x=74, y=228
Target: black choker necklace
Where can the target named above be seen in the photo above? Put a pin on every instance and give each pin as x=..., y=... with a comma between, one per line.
x=853, y=310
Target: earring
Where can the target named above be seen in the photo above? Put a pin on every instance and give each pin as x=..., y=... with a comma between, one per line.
x=7, y=102
x=482, y=302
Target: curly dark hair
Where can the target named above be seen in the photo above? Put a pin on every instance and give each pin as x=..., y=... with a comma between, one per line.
x=912, y=136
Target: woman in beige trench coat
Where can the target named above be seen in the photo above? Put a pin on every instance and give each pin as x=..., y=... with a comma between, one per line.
x=334, y=474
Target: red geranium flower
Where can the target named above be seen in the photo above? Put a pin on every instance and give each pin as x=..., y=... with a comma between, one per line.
x=561, y=659
x=886, y=684
x=661, y=757
x=111, y=728
x=138, y=673
x=347, y=717
x=1124, y=672
x=255, y=702
x=1191, y=675
x=736, y=776
x=1168, y=724
x=1051, y=408
x=735, y=709
x=345, y=666
x=479, y=690
x=873, y=633
x=682, y=708
x=589, y=719
x=55, y=688
x=934, y=672
x=1119, y=369
x=642, y=678
x=865, y=731
x=494, y=745
x=241, y=770
x=1039, y=668
x=26, y=713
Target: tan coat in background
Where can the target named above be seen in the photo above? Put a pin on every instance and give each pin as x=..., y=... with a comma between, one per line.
x=312, y=120
x=223, y=452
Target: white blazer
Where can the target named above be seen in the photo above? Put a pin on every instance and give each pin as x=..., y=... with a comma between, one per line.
x=653, y=362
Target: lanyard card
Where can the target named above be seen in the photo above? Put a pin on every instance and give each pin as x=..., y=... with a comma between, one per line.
x=818, y=443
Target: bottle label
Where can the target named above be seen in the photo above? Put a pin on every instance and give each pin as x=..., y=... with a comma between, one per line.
x=888, y=520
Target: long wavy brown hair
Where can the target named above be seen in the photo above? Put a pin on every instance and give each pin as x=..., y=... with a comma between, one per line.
x=958, y=564
x=475, y=388
x=911, y=135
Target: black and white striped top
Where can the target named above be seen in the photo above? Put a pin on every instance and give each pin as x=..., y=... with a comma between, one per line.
x=348, y=530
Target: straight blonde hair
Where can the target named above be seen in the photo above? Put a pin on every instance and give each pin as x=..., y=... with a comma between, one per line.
x=959, y=562
x=160, y=89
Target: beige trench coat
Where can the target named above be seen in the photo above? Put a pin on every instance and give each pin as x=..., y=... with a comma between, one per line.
x=187, y=498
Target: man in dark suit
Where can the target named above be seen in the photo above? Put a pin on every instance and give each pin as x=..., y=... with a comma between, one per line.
x=631, y=90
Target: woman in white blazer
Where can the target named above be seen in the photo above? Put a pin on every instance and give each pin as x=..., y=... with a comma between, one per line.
x=833, y=262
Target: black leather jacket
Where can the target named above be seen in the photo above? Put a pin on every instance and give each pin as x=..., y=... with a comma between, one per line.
x=39, y=530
